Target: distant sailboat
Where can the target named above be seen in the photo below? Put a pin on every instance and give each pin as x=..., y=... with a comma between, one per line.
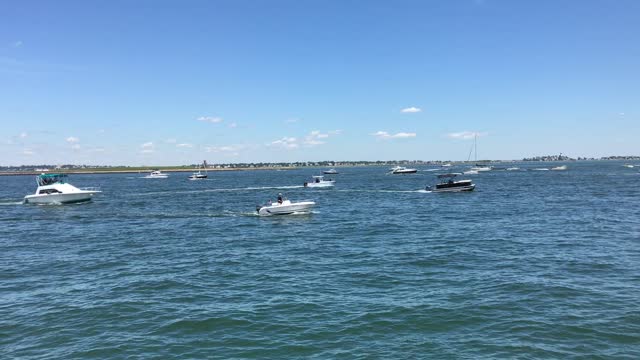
x=474, y=149
x=199, y=175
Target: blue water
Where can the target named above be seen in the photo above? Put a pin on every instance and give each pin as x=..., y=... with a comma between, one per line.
x=533, y=264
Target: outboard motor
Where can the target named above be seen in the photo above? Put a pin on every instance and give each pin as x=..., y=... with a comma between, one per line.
x=305, y=184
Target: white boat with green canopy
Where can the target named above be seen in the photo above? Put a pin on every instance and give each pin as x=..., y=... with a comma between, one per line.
x=53, y=189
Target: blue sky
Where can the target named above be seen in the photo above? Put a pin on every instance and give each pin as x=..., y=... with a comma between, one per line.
x=152, y=82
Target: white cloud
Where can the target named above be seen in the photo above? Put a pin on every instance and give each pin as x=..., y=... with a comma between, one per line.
x=285, y=143
x=233, y=125
x=17, y=43
x=400, y=135
x=72, y=140
x=210, y=119
x=184, y=145
x=23, y=135
x=313, y=139
x=411, y=110
x=27, y=152
x=465, y=135
x=224, y=149
x=147, y=148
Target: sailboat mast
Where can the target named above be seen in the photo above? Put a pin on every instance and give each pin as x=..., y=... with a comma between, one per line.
x=475, y=144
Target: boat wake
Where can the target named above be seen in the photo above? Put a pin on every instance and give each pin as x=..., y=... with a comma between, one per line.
x=380, y=191
x=10, y=203
x=169, y=192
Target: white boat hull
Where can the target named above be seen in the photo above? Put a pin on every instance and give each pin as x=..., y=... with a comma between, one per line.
x=456, y=189
x=68, y=198
x=286, y=208
x=321, y=184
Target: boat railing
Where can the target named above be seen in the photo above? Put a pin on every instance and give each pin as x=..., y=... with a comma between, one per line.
x=90, y=188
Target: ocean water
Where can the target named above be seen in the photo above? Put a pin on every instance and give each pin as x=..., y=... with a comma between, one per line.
x=531, y=265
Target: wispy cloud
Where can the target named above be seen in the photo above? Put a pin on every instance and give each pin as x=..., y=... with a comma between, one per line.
x=17, y=44
x=401, y=135
x=313, y=139
x=288, y=143
x=224, y=149
x=28, y=152
x=210, y=119
x=23, y=135
x=72, y=139
x=410, y=110
x=466, y=135
x=147, y=148
x=233, y=125
x=184, y=145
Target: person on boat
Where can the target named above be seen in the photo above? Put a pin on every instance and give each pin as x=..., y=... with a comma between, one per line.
x=317, y=180
x=279, y=198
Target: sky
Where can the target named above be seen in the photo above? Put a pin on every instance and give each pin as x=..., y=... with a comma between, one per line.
x=156, y=82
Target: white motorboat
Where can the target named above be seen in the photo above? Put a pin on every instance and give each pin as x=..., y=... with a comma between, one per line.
x=402, y=170
x=284, y=207
x=470, y=172
x=515, y=168
x=52, y=189
x=559, y=168
x=481, y=168
x=198, y=175
x=157, y=174
x=319, y=181
x=330, y=172
x=628, y=166
x=447, y=184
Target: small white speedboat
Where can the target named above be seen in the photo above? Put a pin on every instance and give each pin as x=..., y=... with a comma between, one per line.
x=515, y=168
x=559, y=168
x=157, y=174
x=330, y=172
x=284, y=207
x=52, y=189
x=402, y=170
x=320, y=182
x=481, y=168
x=628, y=166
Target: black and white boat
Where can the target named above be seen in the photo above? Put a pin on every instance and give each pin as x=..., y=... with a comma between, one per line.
x=199, y=175
x=448, y=184
x=402, y=170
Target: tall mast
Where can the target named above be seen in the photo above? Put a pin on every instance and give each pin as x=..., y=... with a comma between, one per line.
x=475, y=143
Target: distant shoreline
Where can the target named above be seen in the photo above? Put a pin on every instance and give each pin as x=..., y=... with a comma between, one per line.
x=144, y=171
x=181, y=169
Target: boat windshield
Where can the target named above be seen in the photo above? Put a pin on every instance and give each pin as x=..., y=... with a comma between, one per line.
x=49, y=179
